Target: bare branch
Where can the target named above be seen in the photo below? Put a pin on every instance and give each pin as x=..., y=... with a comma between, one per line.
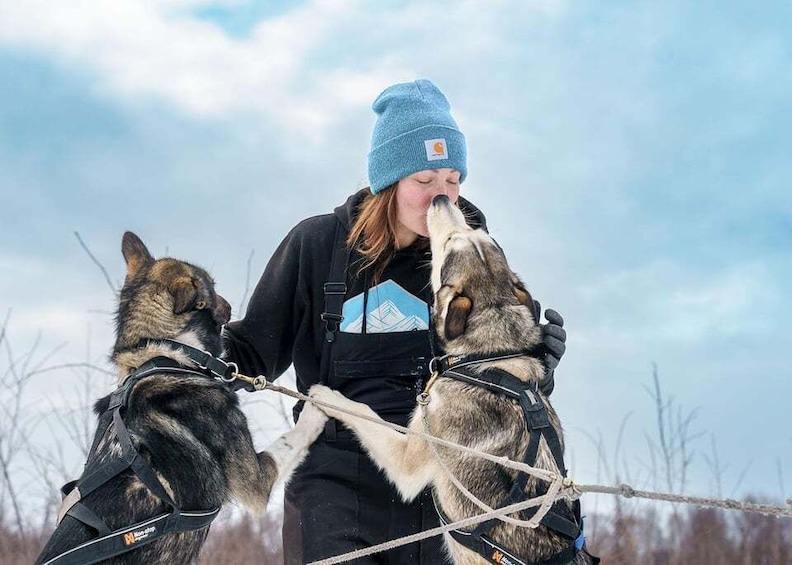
x=73, y=366
x=715, y=466
x=5, y=325
x=662, y=424
x=617, y=450
x=97, y=263
x=102, y=312
x=741, y=477
x=241, y=310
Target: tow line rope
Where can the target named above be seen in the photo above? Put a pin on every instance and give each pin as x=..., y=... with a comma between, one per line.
x=560, y=487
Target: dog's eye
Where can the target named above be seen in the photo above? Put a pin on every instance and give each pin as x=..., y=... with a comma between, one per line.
x=200, y=305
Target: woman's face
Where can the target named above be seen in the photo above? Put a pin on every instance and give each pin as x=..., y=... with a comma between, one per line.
x=414, y=194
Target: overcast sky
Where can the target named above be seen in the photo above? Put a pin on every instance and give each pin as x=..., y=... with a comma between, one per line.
x=633, y=160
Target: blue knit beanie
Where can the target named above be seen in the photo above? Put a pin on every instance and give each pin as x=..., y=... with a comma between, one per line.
x=414, y=132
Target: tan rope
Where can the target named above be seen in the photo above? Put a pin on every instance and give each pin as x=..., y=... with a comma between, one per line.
x=624, y=490
x=504, y=461
x=725, y=503
x=472, y=521
x=559, y=486
x=531, y=523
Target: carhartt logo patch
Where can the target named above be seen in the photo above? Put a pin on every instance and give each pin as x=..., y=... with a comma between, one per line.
x=436, y=149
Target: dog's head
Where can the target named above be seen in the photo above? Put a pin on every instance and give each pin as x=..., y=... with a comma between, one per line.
x=480, y=305
x=167, y=299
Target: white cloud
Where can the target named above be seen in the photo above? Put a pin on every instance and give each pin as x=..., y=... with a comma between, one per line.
x=676, y=303
x=561, y=115
x=154, y=49
x=160, y=49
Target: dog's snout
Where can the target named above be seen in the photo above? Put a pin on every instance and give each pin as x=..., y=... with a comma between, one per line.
x=440, y=199
x=222, y=311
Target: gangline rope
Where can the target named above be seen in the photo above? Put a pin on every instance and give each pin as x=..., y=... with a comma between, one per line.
x=560, y=487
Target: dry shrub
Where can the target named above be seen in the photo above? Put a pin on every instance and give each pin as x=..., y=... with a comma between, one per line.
x=246, y=540
x=689, y=536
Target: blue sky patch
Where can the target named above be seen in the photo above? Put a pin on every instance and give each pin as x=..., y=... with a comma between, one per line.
x=239, y=19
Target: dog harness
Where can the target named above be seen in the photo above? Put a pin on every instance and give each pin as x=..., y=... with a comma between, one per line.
x=109, y=543
x=560, y=518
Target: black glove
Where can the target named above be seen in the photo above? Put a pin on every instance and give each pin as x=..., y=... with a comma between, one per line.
x=554, y=339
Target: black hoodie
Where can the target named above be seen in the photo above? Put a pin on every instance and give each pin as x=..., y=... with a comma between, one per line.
x=282, y=325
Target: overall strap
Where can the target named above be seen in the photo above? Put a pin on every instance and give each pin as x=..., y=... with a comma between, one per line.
x=335, y=288
x=334, y=291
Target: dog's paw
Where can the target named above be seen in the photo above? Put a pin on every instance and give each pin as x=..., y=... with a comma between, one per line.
x=312, y=421
x=328, y=398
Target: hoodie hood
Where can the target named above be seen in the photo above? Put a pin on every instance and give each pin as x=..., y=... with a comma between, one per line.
x=347, y=211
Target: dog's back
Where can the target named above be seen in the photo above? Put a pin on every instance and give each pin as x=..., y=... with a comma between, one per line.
x=188, y=428
x=191, y=432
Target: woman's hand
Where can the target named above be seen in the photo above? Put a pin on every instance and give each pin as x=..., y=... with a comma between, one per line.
x=554, y=339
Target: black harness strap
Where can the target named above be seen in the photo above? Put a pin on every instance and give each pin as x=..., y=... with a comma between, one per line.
x=87, y=516
x=447, y=362
x=496, y=553
x=537, y=420
x=335, y=289
x=111, y=543
x=209, y=365
x=129, y=538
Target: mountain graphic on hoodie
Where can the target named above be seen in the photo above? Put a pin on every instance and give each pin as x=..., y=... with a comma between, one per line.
x=390, y=308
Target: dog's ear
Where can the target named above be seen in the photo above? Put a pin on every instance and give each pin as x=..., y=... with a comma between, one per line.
x=184, y=294
x=456, y=316
x=518, y=289
x=523, y=296
x=135, y=253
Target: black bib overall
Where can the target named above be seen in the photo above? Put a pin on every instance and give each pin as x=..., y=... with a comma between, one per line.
x=338, y=500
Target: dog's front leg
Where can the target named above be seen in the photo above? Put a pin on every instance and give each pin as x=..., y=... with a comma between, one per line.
x=254, y=476
x=404, y=458
x=287, y=452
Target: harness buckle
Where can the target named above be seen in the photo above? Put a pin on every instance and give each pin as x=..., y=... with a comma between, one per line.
x=232, y=377
x=207, y=355
x=117, y=398
x=535, y=410
x=335, y=288
x=332, y=323
x=436, y=364
x=328, y=317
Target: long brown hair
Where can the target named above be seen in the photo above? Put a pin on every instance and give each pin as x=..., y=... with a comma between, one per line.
x=373, y=234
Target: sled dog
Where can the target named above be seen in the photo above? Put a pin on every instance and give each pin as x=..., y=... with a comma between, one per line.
x=484, y=319
x=172, y=445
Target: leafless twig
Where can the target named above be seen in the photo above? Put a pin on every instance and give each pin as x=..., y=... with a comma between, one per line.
x=60, y=366
x=97, y=263
x=241, y=309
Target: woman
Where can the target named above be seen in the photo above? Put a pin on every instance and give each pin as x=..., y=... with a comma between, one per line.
x=346, y=299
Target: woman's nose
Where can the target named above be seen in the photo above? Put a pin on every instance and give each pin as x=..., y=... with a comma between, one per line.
x=439, y=187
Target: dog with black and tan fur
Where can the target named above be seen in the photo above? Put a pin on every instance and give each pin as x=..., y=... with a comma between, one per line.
x=482, y=311
x=189, y=428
